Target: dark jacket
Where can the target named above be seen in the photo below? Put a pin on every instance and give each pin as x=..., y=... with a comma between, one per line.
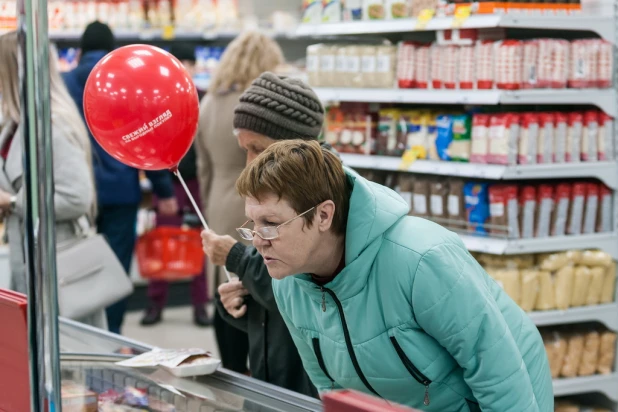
x=117, y=183
x=273, y=357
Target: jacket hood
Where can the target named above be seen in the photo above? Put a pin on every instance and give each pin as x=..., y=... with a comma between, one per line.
x=374, y=209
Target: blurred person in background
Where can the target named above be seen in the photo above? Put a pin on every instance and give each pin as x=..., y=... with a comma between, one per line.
x=382, y=302
x=74, y=195
x=274, y=108
x=118, y=188
x=221, y=160
x=158, y=289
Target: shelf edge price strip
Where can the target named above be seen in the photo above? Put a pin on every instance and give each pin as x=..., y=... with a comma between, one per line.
x=461, y=15
x=424, y=18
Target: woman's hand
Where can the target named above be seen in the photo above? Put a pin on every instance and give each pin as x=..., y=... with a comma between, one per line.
x=217, y=247
x=232, y=296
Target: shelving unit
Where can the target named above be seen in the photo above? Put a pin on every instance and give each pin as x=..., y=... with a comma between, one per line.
x=607, y=172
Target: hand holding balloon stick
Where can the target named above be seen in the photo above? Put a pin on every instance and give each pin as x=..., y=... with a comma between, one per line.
x=141, y=106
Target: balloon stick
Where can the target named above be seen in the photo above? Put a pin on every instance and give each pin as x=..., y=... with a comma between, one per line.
x=198, y=211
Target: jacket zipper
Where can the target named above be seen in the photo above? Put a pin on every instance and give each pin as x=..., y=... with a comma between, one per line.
x=318, y=354
x=413, y=370
x=348, y=340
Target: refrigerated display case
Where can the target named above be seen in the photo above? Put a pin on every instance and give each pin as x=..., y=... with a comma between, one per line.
x=88, y=358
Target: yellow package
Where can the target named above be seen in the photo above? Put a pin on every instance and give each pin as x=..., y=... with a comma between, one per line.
x=510, y=281
x=556, y=348
x=574, y=257
x=590, y=357
x=596, y=258
x=545, y=299
x=566, y=406
x=573, y=357
x=432, y=134
x=609, y=284
x=597, y=276
x=529, y=289
x=563, y=282
x=580, y=286
x=553, y=261
x=607, y=353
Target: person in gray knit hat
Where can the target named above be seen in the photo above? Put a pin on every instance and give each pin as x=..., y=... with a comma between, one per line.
x=273, y=108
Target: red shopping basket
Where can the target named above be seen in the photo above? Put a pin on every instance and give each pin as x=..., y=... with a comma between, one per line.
x=169, y=253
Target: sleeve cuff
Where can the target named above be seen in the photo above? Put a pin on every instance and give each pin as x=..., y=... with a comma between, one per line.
x=233, y=258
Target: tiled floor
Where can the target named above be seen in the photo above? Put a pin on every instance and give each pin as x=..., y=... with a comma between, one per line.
x=176, y=331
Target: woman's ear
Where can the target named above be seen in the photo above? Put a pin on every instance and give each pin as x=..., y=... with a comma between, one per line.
x=325, y=215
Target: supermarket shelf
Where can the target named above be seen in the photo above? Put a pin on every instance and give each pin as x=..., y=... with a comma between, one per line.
x=607, y=172
x=605, y=384
x=157, y=35
x=607, y=314
x=607, y=242
x=605, y=99
x=601, y=25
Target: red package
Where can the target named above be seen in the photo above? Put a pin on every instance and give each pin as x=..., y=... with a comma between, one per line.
x=511, y=193
x=553, y=65
x=529, y=74
x=561, y=130
x=503, y=136
x=605, y=142
x=508, y=64
x=528, y=211
x=497, y=209
x=605, y=64
x=583, y=64
x=545, y=147
x=421, y=71
x=352, y=401
x=406, y=65
x=466, y=67
x=485, y=64
x=562, y=205
x=574, y=136
x=528, y=139
x=545, y=209
x=590, y=136
x=480, y=138
x=604, y=217
x=437, y=55
x=578, y=201
x=451, y=66
x=591, y=208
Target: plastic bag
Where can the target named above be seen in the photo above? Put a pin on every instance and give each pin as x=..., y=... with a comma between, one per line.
x=580, y=286
x=596, y=258
x=590, y=357
x=609, y=284
x=607, y=353
x=563, y=281
x=573, y=357
x=545, y=299
x=529, y=289
x=510, y=281
x=597, y=276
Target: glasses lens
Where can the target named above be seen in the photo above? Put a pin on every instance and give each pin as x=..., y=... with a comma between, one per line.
x=245, y=233
x=268, y=232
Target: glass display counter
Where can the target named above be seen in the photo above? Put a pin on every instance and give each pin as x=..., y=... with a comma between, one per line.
x=88, y=363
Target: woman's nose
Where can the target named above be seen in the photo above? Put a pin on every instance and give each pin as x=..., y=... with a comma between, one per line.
x=258, y=241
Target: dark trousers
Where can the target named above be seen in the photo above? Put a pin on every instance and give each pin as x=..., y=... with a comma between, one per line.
x=118, y=224
x=233, y=345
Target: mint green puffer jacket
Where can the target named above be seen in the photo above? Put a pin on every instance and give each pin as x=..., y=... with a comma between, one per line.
x=414, y=318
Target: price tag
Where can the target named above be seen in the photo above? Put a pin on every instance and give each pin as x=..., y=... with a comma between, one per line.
x=411, y=155
x=423, y=18
x=461, y=15
x=168, y=32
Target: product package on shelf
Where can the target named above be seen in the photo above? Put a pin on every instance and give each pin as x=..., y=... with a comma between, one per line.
x=562, y=405
x=555, y=281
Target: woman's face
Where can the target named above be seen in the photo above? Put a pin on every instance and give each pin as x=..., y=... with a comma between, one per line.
x=291, y=252
x=253, y=143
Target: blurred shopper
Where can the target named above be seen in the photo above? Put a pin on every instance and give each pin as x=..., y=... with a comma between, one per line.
x=382, y=302
x=74, y=195
x=272, y=109
x=221, y=160
x=118, y=189
x=158, y=289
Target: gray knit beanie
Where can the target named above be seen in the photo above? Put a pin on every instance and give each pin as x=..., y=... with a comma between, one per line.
x=281, y=108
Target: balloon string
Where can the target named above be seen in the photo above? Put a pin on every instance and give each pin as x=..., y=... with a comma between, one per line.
x=199, y=212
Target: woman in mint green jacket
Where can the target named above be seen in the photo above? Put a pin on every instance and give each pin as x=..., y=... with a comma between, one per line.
x=385, y=303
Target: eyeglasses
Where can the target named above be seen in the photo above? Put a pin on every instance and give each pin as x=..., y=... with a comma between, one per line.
x=266, y=232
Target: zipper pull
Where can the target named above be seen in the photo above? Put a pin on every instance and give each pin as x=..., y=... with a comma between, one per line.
x=332, y=385
x=426, y=401
x=323, y=300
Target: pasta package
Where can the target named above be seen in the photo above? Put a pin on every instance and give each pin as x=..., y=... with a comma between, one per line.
x=553, y=262
x=545, y=299
x=607, y=353
x=556, y=352
x=597, y=276
x=573, y=357
x=590, y=357
x=596, y=258
x=609, y=284
x=581, y=283
x=510, y=281
x=529, y=289
x=563, y=281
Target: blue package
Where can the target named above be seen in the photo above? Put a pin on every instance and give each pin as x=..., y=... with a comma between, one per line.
x=444, y=124
x=477, y=207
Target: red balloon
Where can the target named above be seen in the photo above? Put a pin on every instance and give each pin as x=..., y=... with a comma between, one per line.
x=142, y=107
